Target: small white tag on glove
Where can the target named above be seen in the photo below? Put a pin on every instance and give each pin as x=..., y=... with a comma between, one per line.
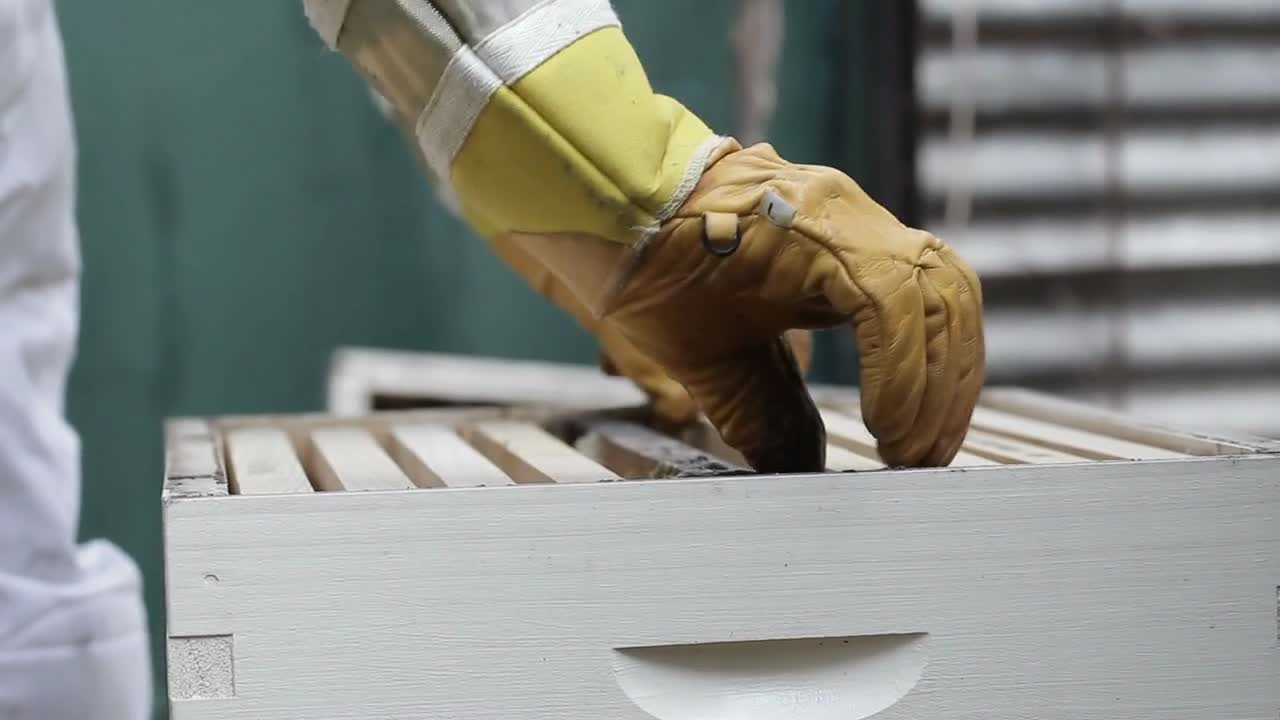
x=778, y=211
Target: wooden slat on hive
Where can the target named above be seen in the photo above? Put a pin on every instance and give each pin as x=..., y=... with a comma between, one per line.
x=636, y=452
x=435, y=456
x=529, y=454
x=351, y=459
x=378, y=424
x=846, y=429
x=1077, y=415
x=193, y=461
x=704, y=436
x=1011, y=451
x=264, y=461
x=839, y=459
x=1069, y=440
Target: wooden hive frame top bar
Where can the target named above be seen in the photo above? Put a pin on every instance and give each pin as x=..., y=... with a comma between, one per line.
x=495, y=447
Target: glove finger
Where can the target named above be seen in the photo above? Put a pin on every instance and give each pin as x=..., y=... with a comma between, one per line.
x=757, y=400
x=941, y=372
x=890, y=333
x=963, y=294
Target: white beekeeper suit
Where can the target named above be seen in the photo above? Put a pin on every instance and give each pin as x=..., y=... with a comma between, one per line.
x=73, y=640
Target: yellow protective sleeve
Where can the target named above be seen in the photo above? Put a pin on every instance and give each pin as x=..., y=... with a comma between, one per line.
x=580, y=146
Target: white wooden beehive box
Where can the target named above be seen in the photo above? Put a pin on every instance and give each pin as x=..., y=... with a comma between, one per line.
x=492, y=562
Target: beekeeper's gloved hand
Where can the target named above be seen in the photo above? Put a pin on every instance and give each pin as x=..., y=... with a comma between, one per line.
x=537, y=120
x=670, y=401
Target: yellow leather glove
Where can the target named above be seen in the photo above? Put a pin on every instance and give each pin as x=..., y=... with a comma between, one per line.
x=694, y=255
x=671, y=402
x=813, y=250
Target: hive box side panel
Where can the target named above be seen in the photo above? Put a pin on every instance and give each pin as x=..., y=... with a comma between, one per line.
x=1121, y=591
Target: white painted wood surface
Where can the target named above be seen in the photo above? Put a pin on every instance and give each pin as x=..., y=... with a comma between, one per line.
x=351, y=459
x=1008, y=450
x=840, y=459
x=263, y=461
x=357, y=375
x=192, y=461
x=1070, y=413
x=1098, y=591
x=1068, y=440
x=529, y=454
x=1221, y=403
x=435, y=456
x=817, y=679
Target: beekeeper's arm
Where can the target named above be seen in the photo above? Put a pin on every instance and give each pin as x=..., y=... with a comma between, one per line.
x=73, y=641
x=679, y=248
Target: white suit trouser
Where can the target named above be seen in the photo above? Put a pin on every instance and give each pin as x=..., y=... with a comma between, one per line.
x=73, y=641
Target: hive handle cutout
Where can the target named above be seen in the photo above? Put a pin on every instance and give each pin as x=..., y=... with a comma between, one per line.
x=835, y=678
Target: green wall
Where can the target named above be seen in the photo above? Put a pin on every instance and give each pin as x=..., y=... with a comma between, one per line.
x=245, y=210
